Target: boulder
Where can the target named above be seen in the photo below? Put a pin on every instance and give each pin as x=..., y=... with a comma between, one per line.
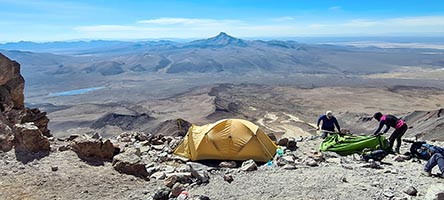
x=130, y=163
x=86, y=147
x=199, y=171
x=28, y=137
x=40, y=120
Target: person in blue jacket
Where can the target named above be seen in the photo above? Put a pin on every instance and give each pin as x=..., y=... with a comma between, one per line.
x=391, y=121
x=328, y=124
x=436, y=158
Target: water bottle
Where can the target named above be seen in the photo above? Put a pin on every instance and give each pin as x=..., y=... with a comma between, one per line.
x=269, y=163
x=183, y=195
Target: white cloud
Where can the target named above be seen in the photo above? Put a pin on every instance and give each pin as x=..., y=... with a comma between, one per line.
x=283, y=19
x=285, y=27
x=335, y=8
x=418, y=21
x=187, y=21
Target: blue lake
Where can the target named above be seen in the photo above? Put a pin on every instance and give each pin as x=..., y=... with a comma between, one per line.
x=74, y=92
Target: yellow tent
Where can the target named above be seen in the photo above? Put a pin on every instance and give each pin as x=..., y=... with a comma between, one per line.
x=227, y=139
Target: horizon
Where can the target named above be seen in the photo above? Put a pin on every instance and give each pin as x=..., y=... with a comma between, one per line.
x=67, y=20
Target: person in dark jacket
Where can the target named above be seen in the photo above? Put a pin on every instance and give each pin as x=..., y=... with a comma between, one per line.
x=391, y=121
x=328, y=123
x=437, y=158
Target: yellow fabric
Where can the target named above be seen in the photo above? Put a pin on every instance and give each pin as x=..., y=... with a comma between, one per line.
x=227, y=139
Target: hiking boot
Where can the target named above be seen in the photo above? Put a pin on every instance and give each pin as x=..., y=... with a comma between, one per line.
x=426, y=173
x=397, y=151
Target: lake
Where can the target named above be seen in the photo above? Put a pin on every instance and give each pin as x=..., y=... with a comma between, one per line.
x=74, y=92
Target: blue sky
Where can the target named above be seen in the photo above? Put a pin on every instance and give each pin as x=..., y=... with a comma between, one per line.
x=55, y=20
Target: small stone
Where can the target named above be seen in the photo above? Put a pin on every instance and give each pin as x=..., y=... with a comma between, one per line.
x=375, y=184
x=64, y=148
x=311, y=163
x=289, y=167
x=344, y=179
x=54, y=168
x=249, y=165
x=177, y=189
x=158, y=175
x=162, y=194
x=388, y=194
x=170, y=181
x=410, y=191
x=228, y=178
x=228, y=164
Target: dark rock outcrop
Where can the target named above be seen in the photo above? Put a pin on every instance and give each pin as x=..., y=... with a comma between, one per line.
x=123, y=121
x=177, y=127
x=19, y=126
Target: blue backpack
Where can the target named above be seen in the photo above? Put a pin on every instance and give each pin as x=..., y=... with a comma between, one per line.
x=421, y=150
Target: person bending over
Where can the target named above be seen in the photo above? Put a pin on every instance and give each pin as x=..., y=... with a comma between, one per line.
x=391, y=121
x=328, y=123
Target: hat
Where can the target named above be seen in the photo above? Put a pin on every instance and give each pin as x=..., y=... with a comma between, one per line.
x=329, y=113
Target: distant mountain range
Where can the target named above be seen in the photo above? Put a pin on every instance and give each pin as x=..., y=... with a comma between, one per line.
x=222, y=53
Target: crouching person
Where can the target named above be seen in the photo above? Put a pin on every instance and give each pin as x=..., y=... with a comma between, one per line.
x=437, y=158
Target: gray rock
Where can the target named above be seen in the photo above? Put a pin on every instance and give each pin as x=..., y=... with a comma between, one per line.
x=311, y=162
x=158, y=175
x=289, y=167
x=88, y=147
x=183, y=177
x=170, y=181
x=410, y=191
x=227, y=164
x=199, y=171
x=6, y=137
x=130, y=163
x=162, y=194
x=180, y=158
x=388, y=194
x=248, y=165
x=176, y=189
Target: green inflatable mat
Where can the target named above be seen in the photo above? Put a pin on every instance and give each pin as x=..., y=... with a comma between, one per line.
x=350, y=144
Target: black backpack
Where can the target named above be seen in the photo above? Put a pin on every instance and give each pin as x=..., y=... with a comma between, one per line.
x=376, y=155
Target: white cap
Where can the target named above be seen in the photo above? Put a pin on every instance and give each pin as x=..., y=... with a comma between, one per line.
x=329, y=112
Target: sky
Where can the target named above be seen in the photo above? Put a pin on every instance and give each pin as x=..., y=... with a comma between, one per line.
x=60, y=20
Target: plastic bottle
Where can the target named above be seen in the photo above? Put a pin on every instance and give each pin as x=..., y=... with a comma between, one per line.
x=270, y=163
x=183, y=195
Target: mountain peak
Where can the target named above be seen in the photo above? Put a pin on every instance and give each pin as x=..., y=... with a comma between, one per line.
x=220, y=40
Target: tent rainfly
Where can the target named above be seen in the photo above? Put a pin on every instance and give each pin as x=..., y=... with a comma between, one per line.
x=227, y=139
